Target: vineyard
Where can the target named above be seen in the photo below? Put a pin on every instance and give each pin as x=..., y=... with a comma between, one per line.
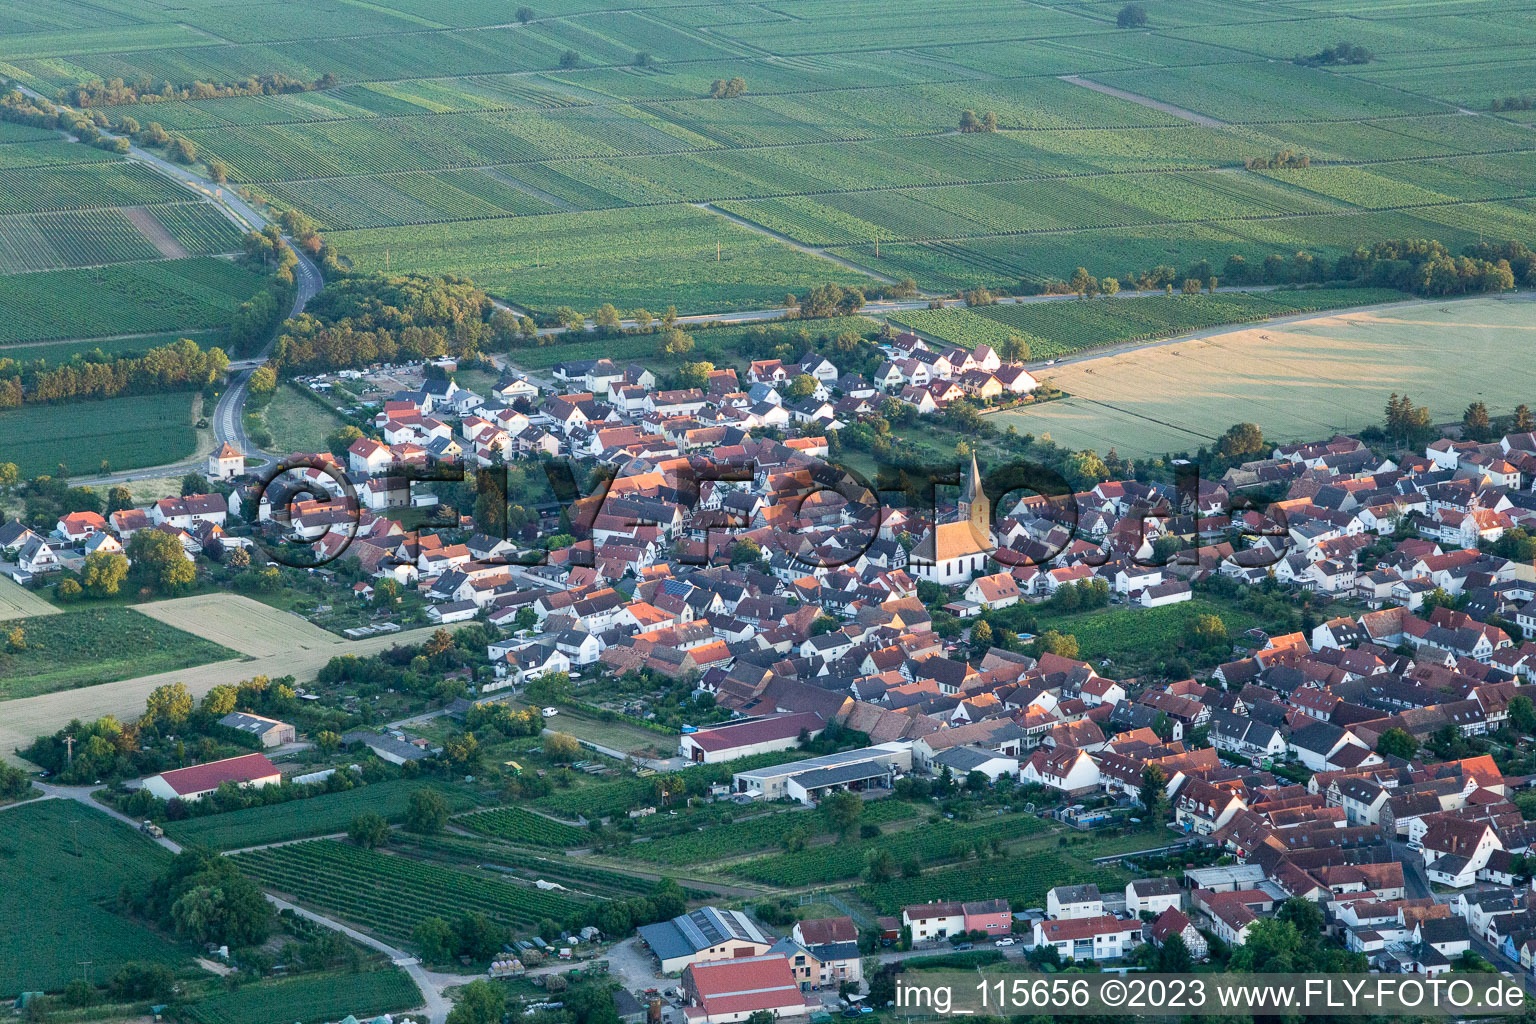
x=581, y=158
x=309, y=999
x=73, y=861
x=315, y=816
x=392, y=895
x=128, y=298
x=569, y=871
x=516, y=825
x=1061, y=327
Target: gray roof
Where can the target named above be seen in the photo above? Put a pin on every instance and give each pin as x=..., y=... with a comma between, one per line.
x=841, y=775
x=1077, y=893
x=964, y=759
x=254, y=724
x=705, y=927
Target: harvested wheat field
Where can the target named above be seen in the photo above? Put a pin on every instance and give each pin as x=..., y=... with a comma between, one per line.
x=17, y=602
x=241, y=624
x=1299, y=381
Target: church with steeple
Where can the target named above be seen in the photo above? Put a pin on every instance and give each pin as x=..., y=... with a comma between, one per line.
x=953, y=552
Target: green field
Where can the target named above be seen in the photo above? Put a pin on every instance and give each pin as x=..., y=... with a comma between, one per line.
x=316, y=816
x=516, y=825
x=554, y=164
x=391, y=895
x=140, y=430
x=64, y=864
x=298, y=423
x=309, y=999
x=941, y=840
x=170, y=295
x=1063, y=326
x=1141, y=631
x=97, y=645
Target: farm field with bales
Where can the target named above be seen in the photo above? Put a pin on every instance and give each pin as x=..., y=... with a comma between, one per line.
x=1300, y=380
x=73, y=860
x=718, y=157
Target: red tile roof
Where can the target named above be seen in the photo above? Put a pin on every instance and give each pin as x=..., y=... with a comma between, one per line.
x=200, y=778
x=740, y=986
x=763, y=730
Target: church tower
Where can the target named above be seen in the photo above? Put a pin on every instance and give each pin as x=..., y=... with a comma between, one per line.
x=974, y=504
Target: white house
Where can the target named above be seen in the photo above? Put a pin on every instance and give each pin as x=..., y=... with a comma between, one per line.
x=1066, y=902
x=1090, y=938
x=1152, y=895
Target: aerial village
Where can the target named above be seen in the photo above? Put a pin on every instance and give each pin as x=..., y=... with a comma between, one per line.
x=1349, y=764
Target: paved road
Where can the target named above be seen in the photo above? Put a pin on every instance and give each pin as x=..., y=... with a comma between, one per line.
x=229, y=414
x=1416, y=884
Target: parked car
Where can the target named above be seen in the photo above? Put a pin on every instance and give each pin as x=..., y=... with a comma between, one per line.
x=1006, y=941
x=550, y=712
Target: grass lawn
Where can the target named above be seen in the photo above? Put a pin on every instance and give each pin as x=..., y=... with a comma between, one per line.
x=69, y=861
x=97, y=645
x=619, y=735
x=296, y=423
x=124, y=433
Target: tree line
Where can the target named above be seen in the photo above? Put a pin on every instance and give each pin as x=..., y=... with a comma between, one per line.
x=179, y=366
x=19, y=108
x=116, y=92
x=1420, y=266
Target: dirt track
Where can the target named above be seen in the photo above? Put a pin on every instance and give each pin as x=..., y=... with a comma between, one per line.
x=22, y=720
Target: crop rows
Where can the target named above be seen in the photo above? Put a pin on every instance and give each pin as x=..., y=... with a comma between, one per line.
x=393, y=894
x=122, y=299
x=398, y=199
x=516, y=825
x=936, y=841
x=647, y=256
x=73, y=861
x=37, y=190
x=569, y=871
x=199, y=228
x=72, y=238
x=310, y=997
x=317, y=815
x=126, y=433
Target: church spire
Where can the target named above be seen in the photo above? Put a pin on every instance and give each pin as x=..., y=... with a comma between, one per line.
x=974, y=505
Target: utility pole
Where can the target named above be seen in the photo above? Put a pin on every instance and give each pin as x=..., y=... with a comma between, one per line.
x=84, y=966
x=717, y=250
x=877, y=245
x=386, y=261
x=69, y=747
